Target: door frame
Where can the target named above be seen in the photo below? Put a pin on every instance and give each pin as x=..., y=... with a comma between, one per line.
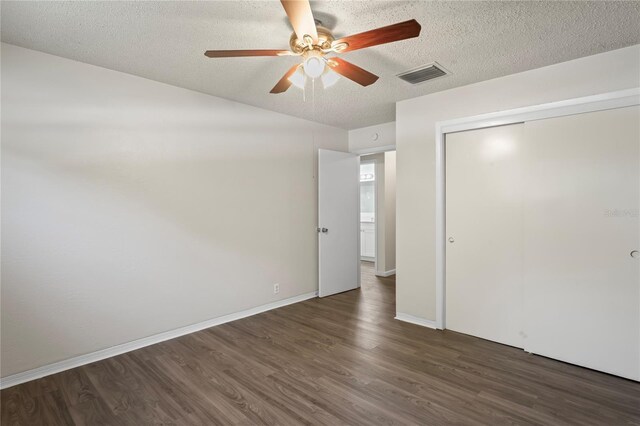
x=601, y=102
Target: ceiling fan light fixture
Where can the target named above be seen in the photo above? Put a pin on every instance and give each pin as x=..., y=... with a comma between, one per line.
x=329, y=78
x=297, y=78
x=314, y=64
x=310, y=40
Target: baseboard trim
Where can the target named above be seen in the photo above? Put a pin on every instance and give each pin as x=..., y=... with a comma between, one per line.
x=386, y=273
x=57, y=367
x=415, y=320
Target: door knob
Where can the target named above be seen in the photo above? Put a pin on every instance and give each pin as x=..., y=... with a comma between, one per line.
x=635, y=254
x=451, y=239
x=324, y=230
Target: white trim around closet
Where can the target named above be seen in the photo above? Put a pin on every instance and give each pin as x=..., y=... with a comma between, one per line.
x=611, y=100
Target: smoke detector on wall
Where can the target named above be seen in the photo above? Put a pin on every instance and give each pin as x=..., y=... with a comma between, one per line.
x=424, y=73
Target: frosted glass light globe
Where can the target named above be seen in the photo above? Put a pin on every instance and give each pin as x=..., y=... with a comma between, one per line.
x=298, y=78
x=330, y=78
x=314, y=66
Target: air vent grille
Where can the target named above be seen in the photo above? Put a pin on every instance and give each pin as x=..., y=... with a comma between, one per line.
x=422, y=74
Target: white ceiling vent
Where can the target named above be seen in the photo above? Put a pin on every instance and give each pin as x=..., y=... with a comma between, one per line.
x=423, y=73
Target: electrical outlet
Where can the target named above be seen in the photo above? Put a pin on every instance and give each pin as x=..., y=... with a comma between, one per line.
x=276, y=288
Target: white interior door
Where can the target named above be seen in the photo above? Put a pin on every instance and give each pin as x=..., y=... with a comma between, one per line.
x=582, y=285
x=339, y=221
x=484, y=231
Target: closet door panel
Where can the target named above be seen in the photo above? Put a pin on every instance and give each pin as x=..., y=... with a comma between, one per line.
x=484, y=225
x=581, y=284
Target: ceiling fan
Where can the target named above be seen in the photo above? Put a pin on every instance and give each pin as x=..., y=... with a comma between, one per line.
x=312, y=43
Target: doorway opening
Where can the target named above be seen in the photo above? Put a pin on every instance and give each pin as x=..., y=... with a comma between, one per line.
x=368, y=210
x=378, y=219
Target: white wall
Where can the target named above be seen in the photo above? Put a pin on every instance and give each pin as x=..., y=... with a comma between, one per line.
x=371, y=139
x=415, y=133
x=130, y=207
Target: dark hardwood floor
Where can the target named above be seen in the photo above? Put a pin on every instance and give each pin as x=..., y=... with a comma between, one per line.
x=337, y=360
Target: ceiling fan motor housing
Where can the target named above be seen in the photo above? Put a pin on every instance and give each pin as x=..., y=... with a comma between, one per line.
x=325, y=39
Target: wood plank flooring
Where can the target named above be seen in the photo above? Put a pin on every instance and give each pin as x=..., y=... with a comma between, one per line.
x=332, y=361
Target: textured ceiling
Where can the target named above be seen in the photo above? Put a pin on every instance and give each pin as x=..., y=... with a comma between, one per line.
x=165, y=41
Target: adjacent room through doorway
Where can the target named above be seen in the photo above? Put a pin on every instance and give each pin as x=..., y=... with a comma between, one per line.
x=378, y=218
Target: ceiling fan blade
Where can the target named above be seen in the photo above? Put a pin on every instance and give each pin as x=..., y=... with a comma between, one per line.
x=389, y=34
x=284, y=82
x=237, y=53
x=301, y=18
x=352, y=72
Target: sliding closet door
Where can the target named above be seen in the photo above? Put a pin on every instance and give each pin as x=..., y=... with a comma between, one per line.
x=484, y=232
x=581, y=225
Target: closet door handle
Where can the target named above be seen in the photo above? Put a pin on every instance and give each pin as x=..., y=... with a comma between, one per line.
x=635, y=254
